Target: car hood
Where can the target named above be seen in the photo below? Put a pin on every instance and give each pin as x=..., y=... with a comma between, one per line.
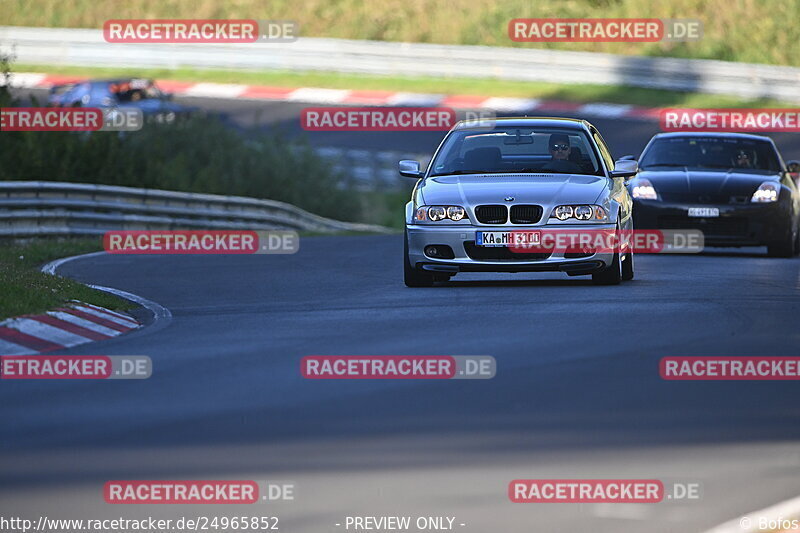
x=693, y=184
x=542, y=189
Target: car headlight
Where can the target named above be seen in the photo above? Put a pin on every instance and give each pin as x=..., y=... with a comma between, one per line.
x=766, y=192
x=644, y=190
x=435, y=213
x=580, y=212
x=583, y=212
x=563, y=212
x=455, y=212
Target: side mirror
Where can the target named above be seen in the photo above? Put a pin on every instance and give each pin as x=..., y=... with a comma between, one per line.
x=410, y=169
x=625, y=168
x=628, y=157
x=793, y=167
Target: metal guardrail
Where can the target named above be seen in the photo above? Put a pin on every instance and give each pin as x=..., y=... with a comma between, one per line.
x=57, y=208
x=57, y=46
x=371, y=170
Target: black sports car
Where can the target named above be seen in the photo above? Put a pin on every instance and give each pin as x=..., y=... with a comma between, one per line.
x=734, y=187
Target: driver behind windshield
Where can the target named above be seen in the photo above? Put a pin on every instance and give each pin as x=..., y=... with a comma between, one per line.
x=743, y=160
x=560, y=151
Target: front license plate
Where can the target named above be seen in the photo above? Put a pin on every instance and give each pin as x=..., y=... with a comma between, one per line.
x=506, y=238
x=704, y=211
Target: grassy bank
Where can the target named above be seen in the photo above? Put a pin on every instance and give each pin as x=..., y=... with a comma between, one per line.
x=196, y=155
x=26, y=290
x=200, y=154
x=756, y=31
x=479, y=87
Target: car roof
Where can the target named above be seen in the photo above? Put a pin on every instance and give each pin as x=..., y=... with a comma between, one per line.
x=720, y=134
x=524, y=122
x=118, y=80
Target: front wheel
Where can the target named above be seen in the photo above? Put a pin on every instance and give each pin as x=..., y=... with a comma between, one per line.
x=613, y=273
x=414, y=277
x=797, y=243
x=785, y=247
x=627, y=267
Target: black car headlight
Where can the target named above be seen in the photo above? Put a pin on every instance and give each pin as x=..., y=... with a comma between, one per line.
x=644, y=190
x=767, y=192
x=435, y=213
x=583, y=212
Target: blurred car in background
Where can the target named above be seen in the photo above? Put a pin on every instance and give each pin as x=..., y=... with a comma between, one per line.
x=734, y=187
x=123, y=93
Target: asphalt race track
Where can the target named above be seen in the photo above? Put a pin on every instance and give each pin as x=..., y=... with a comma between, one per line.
x=577, y=392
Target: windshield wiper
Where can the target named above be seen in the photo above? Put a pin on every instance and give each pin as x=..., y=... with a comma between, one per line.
x=458, y=172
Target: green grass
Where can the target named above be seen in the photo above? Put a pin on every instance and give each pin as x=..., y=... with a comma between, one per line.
x=26, y=290
x=478, y=87
x=756, y=31
x=199, y=154
x=386, y=208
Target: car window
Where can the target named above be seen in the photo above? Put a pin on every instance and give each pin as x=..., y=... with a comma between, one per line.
x=711, y=153
x=61, y=90
x=605, y=153
x=515, y=150
x=135, y=90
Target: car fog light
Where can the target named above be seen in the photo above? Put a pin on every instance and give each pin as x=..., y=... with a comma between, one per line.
x=439, y=251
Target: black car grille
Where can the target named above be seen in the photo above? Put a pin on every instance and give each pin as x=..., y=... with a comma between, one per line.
x=711, y=227
x=498, y=214
x=501, y=253
x=694, y=198
x=709, y=199
x=525, y=214
x=491, y=214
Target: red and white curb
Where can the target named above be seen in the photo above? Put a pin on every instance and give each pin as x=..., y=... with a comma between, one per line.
x=76, y=323
x=375, y=98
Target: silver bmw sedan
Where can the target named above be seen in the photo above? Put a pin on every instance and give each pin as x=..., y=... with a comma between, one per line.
x=496, y=190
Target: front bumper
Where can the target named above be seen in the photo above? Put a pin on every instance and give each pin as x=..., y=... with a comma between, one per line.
x=737, y=224
x=468, y=258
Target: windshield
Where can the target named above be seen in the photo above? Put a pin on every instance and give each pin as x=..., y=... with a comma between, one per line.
x=513, y=149
x=711, y=153
x=135, y=90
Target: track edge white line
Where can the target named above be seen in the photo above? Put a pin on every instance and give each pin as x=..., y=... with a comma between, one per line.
x=160, y=313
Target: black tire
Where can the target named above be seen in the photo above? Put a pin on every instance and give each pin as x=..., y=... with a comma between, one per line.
x=414, y=277
x=627, y=267
x=797, y=244
x=786, y=247
x=612, y=274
